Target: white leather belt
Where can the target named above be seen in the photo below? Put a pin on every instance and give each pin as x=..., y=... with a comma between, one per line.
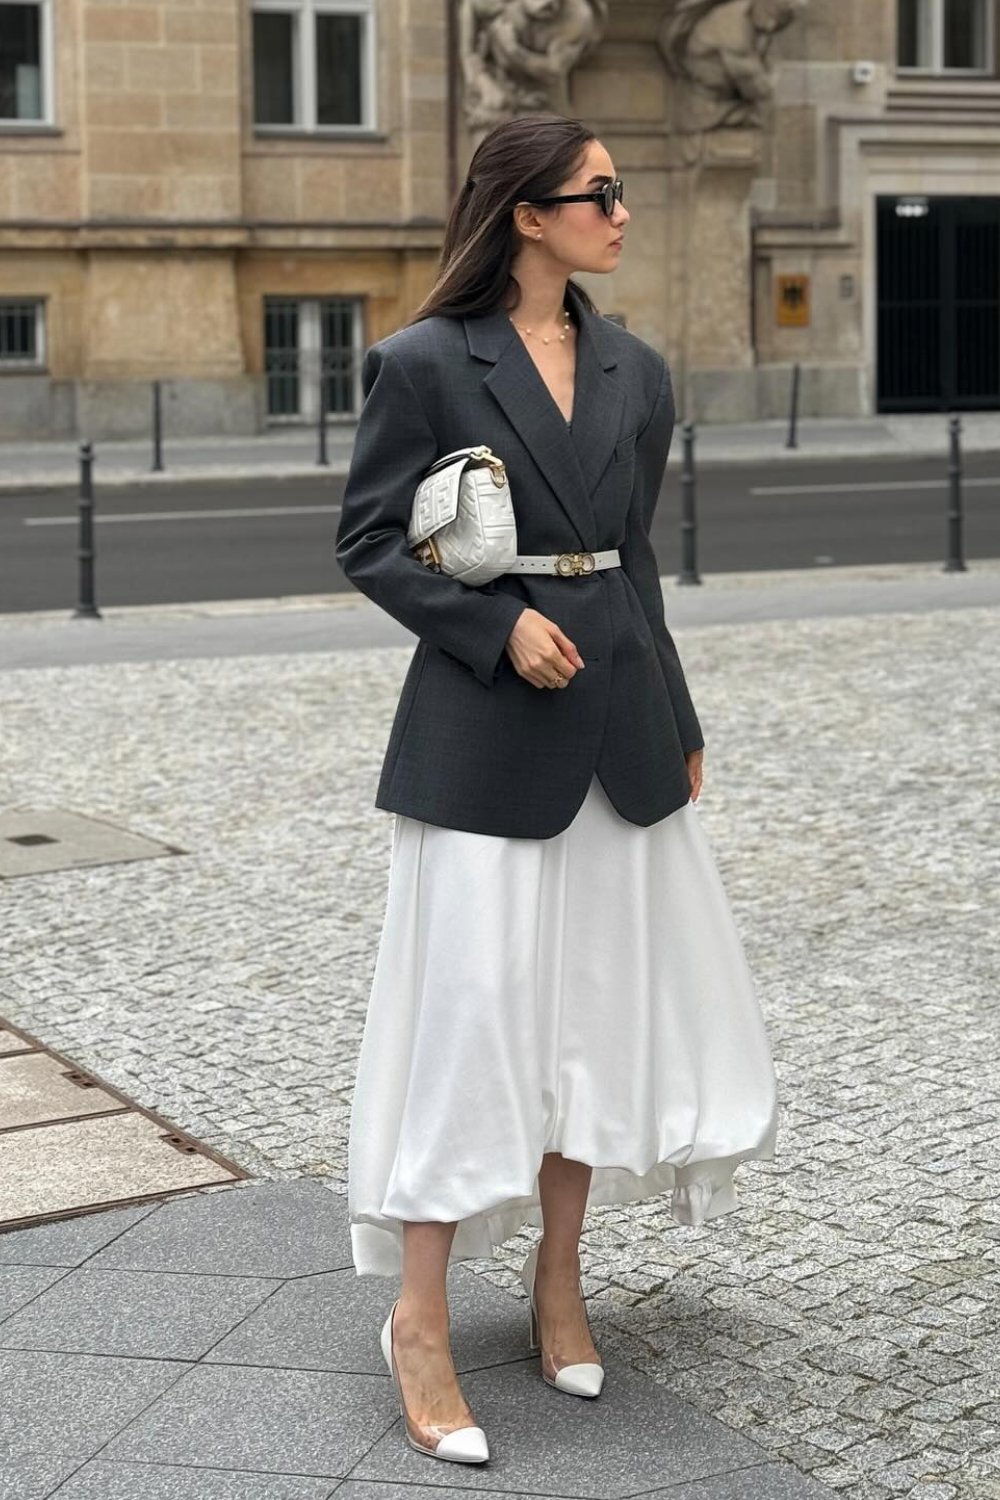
x=565, y=564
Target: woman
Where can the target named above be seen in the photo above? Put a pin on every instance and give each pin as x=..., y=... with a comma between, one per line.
x=561, y=1012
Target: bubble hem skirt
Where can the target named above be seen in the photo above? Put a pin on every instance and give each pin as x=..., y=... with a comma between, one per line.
x=587, y=994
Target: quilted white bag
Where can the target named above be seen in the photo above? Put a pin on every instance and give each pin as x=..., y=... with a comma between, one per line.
x=462, y=521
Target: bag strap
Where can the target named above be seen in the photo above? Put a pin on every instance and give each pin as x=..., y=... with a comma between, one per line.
x=480, y=453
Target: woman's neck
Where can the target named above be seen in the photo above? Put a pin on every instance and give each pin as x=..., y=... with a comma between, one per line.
x=543, y=297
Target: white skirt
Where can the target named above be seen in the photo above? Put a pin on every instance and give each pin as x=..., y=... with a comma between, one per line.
x=587, y=994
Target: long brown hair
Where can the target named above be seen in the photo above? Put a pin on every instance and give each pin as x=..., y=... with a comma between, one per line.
x=528, y=157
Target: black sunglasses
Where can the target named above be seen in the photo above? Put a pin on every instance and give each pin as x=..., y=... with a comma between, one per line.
x=607, y=196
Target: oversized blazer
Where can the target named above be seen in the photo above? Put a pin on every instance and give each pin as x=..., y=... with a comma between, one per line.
x=474, y=745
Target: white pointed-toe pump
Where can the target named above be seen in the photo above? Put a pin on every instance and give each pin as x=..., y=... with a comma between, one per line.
x=462, y=1445
x=578, y=1380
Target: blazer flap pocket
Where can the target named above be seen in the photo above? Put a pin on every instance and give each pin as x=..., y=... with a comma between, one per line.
x=624, y=448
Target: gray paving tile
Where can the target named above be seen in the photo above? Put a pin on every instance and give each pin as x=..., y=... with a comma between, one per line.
x=100, y=1480
x=275, y=1421
x=278, y=1229
x=72, y=1403
x=69, y=1242
x=18, y=1284
x=333, y=1322
x=157, y=1315
x=32, y=1476
x=366, y=1489
x=635, y=1436
x=763, y=1482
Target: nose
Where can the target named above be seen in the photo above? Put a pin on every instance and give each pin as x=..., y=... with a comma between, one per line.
x=621, y=216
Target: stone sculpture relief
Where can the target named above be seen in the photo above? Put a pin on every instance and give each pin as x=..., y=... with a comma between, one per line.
x=718, y=52
x=517, y=54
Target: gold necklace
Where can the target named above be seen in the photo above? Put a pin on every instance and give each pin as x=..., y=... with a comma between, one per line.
x=562, y=337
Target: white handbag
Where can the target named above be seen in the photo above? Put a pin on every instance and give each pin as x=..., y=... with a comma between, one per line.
x=462, y=521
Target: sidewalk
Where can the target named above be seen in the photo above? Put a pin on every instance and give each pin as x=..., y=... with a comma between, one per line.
x=288, y=452
x=835, y=1335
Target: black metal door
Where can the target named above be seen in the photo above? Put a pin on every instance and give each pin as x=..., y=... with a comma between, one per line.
x=939, y=304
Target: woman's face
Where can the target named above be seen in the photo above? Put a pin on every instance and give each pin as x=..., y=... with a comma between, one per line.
x=580, y=235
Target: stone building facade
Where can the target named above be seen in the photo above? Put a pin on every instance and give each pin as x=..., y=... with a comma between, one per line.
x=230, y=196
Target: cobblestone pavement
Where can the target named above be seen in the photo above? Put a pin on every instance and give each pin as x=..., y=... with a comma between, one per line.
x=845, y=1316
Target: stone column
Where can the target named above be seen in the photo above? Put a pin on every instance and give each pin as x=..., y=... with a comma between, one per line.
x=710, y=177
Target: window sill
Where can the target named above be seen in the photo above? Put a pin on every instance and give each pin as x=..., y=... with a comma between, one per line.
x=28, y=127
x=320, y=133
x=10, y=368
x=956, y=76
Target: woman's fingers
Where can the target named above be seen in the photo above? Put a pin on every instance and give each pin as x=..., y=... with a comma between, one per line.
x=541, y=653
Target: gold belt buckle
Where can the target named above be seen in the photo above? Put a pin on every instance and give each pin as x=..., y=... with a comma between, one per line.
x=569, y=564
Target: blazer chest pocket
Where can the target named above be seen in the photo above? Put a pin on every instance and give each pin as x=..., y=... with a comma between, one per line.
x=624, y=448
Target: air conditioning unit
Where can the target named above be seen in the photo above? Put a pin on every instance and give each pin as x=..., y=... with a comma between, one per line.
x=863, y=72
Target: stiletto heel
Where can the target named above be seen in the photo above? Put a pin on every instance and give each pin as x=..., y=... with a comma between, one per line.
x=577, y=1380
x=463, y=1445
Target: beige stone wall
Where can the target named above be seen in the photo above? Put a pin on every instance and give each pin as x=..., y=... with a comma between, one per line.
x=160, y=314
x=160, y=110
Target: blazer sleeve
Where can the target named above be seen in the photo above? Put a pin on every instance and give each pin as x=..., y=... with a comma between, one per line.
x=393, y=447
x=639, y=560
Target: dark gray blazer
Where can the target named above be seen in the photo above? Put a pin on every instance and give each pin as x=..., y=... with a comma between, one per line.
x=473, y=744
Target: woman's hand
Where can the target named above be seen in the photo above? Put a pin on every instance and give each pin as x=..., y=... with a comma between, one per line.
x=541, y=654
x=694, y=760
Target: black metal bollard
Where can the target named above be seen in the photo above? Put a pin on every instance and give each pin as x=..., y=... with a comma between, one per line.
x=955, y=562
x=689, y=525
x=322, y=457
x=86, y=607
x=157, y=428
x=793, y=414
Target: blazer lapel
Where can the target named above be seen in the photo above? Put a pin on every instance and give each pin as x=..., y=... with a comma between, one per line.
x=572, y=464
x=598, y=399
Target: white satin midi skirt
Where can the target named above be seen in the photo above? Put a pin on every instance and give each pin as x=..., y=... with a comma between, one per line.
x=586, y=994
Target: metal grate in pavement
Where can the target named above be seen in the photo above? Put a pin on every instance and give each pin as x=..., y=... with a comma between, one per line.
x=71, y=1143
x=40, y=842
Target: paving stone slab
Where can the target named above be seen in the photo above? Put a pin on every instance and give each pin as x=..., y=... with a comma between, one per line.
x=634, y=1436
x=32, y=1476
x=332, y=1322
x=156, y=1315
x=100, y=1480
x=19, y=1284
x=50, y=839
x=72, y=1404
x=80, y=1162
x=69, y=1241
x=10, y=1042
x=303, y=1422
x=35, y=1087
x=763, y=1482
x=280, y=1229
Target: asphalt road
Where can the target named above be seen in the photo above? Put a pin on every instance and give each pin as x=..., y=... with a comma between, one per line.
x=177, y=543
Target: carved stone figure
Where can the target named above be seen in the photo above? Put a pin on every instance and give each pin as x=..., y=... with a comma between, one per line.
x=718, y=51
x=517, y=54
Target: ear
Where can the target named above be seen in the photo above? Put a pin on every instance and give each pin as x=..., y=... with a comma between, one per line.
x=527, y=220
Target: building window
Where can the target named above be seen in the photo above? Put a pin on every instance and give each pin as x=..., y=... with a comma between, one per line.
x=945, y=36
x=25, y=62
x=306, y=340
x=313, y=64
x=22, y=333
